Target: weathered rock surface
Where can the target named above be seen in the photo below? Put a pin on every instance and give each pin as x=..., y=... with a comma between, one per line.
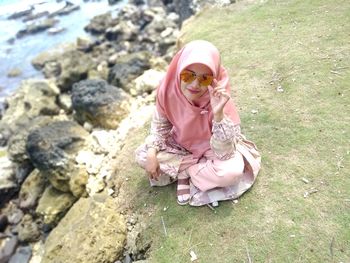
x=52, y=149
x=128, y=68
x=53, y=205
x=33, y=98
x=100, y=104
x=28, y=230
x=91, y=231
x=147, y=82
x=31, y=189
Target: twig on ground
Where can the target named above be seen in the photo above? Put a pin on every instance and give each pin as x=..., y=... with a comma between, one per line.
x=249, y=259
x=164, y=228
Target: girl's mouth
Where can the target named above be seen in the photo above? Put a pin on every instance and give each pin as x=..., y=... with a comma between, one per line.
x=193, y=91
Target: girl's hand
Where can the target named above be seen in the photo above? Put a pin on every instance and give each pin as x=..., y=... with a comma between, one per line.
x=218, y=99
x=152, y=164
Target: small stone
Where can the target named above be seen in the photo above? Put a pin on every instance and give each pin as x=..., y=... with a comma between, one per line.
x=279, y=89
x=254, y=111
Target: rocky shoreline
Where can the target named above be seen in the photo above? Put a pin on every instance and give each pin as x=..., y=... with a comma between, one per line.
x=60, y=137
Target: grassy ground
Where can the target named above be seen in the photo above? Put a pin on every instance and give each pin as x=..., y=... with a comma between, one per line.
x=302, y=48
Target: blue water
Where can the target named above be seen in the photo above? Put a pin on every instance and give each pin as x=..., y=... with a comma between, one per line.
x=23, y=50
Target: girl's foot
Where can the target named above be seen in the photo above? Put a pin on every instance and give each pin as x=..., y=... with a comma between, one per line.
x=183, y=188
x=183, y=191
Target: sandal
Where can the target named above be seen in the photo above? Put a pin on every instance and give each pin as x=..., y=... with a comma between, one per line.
x=183, y=191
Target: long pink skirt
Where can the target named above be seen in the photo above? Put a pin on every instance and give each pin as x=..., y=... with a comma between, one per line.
x=211, y=179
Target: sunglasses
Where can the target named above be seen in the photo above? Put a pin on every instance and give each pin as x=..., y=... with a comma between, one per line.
x=188, y=76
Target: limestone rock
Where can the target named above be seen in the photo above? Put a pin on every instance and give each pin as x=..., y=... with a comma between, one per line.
x=52, y=149
x=147, y=82
x=91, y=231
x=28, y=230
x=53, y=205
x=31, y=189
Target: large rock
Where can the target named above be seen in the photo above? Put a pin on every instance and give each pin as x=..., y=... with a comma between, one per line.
x=91, y=232
x=31, y=189
x=128, y=68
x=74, y=67
x=147, y=82
x=100, y=23
x=33, y=98
x=53, y=205
x=99, y=103
x=52, y=149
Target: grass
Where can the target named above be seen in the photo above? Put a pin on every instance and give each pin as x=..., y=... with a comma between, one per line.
x=302, y=47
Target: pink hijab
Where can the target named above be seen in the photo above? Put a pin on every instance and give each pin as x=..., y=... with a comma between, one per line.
x=192, y=124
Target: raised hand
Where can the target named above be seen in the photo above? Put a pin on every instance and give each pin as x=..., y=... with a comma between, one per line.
x=218, y=99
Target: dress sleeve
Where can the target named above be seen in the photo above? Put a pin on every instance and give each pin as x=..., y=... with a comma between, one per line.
x=160, y=129
x=224, y=138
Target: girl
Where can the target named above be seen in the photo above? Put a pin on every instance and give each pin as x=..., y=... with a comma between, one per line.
x=195, y=133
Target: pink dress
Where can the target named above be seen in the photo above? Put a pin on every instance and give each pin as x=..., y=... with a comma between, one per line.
x=224, y=172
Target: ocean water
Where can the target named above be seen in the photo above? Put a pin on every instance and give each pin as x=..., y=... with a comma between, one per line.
x=20, y=53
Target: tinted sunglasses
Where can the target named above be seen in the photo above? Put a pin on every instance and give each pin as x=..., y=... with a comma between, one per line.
x=189, y=76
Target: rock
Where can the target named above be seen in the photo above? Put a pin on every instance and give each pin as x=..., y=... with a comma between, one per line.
x=53, y=205
x=52, y=69
x=7, y=175
x=19, y=13
x=33, y=98
x=3, y=222
x=17, y=143
x=65, y=102
x=91, y=231
x=125, y=30
x=13, y=213
x=128, y=68
x=112, y=2
x=31, y=189
x=37, y=27
x=7, y=248
x=55, y=30
x=52, y=55
x=35, y=16
x=67, y=9
x=100, y=104
x=22, y=255
x=52, y=149
x=147, y=82
x=28, y=230
x=15, y=72
x=100, y=23
x=75, y=66
x=84, y=44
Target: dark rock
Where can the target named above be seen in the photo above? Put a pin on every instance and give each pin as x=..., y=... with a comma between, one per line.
x=35, y=16
x=26, y=11
x=52, y=149
x=128, y=68
x=99, y=103
x=3, y=222
x=112, y=2
x=100, y=23
x=37, y=27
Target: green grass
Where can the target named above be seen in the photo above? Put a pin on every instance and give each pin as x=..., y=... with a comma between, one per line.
x=302, y=132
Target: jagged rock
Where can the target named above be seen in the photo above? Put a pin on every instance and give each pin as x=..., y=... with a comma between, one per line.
x=13, y=213
x=17, y=143
x=7, y=175
x=100, y=23
x=52, y=149
x=19, y=13
x=33, y=98
x=53, y=205
x=51, y=55
x=74, y=67
x=91, y=231
x=37, y=27
x=28, y=230
x=99, y=103
x=128, y=68
x=52, y=69
x=31, y=189
x=125, y=30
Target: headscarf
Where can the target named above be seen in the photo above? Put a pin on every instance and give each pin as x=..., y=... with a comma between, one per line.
x=192, y=124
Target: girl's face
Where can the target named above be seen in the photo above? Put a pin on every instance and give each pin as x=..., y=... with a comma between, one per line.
x=193, y=90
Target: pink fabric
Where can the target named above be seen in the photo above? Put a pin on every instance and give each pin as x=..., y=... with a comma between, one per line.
x=192, y=124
